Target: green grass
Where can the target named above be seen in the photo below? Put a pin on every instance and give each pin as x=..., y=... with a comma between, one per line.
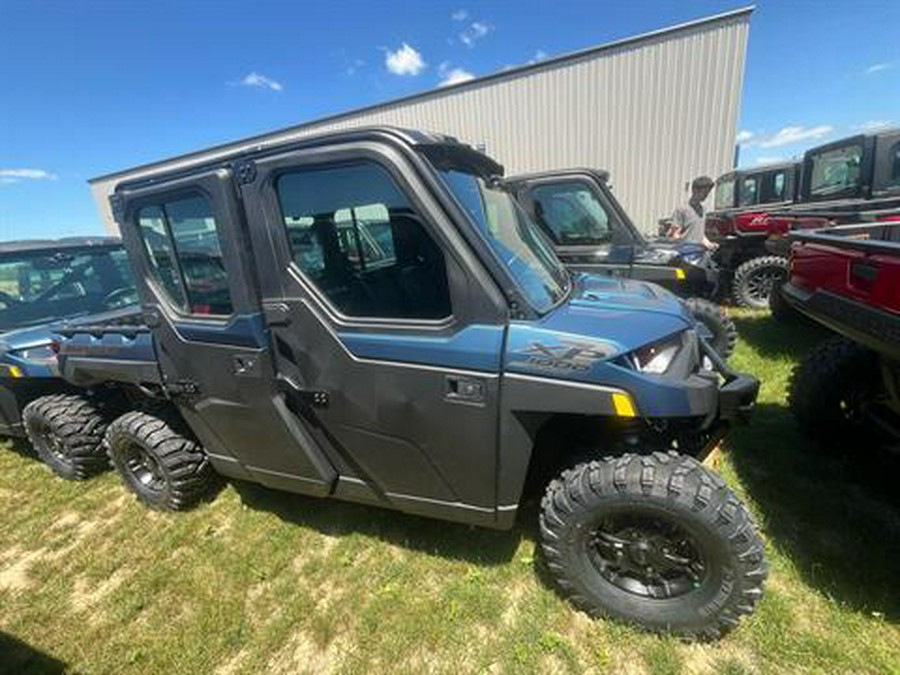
x=262, y=581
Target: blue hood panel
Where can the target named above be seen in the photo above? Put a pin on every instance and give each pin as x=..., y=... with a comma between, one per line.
x=604, y=318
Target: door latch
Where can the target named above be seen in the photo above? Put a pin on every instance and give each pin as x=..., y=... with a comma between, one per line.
x=462, y=389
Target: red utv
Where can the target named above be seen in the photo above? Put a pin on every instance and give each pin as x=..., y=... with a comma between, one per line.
x=848, y=278
x=855, y=179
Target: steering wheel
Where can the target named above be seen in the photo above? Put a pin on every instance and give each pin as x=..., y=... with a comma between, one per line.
x=116, y=297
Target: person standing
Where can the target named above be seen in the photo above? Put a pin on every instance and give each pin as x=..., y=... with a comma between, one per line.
x=688, y=222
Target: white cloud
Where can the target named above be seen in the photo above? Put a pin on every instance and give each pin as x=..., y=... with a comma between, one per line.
x=404, y=61
x=15, y=175
x=459, y=15
x=453, y=75
x=770, y=160
x=354, y=66
x=873, y=125
x=474, y=33
x=255, y=79
x=796, y=134
x=744, y=136
x=539, y=56
x=878, y=67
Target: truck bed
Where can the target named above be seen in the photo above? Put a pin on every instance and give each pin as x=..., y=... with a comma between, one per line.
x=118, y=349
x=848, y=277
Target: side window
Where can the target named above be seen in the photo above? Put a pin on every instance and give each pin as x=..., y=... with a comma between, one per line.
x=778, y=183
x=354, y=234
x=185, y=255
x=835, y=170
x=749, y=191
x=571, y=214
x=894, y=160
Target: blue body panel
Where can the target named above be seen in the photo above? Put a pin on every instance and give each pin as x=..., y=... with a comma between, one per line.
x=243, y=330
x=606, y=317
x=13, y=343
x=476, y=347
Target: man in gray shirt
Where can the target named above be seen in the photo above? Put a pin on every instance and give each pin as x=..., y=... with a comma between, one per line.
x=688, y=221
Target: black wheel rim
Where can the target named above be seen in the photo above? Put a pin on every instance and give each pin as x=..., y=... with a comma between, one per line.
x=49, y=442
x=760, y=284
x=650, y=556
x=144, y=468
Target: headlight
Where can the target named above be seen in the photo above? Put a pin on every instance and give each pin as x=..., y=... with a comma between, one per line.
x=41, y=353
x=657, y=357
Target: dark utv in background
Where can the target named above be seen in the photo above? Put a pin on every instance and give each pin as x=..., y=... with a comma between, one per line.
x=851, y=180
x=41, y=283
x=592, y=233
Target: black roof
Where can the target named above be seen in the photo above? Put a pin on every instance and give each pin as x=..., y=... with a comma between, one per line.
x=35, y=245
x=600, y=174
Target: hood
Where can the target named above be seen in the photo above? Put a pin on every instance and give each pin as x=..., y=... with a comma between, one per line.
x=605, y=317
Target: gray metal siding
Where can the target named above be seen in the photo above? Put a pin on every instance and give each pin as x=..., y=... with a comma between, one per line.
x=655, y=111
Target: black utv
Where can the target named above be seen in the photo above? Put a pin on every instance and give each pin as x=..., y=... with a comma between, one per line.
x=379, y=321
x=591, y=232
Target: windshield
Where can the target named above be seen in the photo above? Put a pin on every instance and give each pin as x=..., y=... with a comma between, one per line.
x=44, y=286
x=725, y=193
x=513, y=238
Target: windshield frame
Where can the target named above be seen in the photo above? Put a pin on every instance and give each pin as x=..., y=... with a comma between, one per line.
x=558, y=271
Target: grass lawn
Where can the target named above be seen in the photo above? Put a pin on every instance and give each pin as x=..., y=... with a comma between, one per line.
x=262, y=581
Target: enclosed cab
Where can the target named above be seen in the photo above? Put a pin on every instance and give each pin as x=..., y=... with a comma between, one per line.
x=43, y=282
x=377, y=320
x=591, y=232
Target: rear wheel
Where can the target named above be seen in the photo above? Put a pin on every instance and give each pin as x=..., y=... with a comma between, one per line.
x=831, y=388
x=724, y=333
x=655, y=540
x=67, y=434
x=164, y=467
x=754, y=280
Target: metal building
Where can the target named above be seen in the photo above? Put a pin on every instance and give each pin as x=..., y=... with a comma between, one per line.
x=655, y=110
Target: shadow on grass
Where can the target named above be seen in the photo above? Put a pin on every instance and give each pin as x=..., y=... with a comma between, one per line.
x=837, y=517
x=771, y=338
x=337, y=518
x=19, y=657
x=20, y=446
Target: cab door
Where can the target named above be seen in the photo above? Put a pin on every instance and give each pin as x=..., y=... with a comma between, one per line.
x=185, y=239
x=387, y=332
x=584, y=228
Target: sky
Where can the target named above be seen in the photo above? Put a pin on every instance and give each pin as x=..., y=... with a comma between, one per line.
x=90, y=87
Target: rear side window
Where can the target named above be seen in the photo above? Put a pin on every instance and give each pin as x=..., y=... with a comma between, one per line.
x=355, y=235
x=894, y=159
x=749, y=191
x=182, y=244
x=778, y=185
x=834, y=171
x=571, y=214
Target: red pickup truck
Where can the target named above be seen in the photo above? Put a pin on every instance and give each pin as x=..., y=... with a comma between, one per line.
x=848, y=278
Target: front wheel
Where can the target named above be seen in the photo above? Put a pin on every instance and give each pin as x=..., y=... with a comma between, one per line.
x=654, y=540
x=717, y=322
x=755, y=279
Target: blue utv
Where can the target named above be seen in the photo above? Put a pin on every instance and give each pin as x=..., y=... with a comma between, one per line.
x=370, y=316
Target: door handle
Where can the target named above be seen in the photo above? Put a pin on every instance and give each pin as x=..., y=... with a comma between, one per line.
x=463, y=389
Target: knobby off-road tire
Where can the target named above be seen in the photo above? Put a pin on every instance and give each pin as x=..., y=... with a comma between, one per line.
x=711, y=315
x=754, y=280
x=828, y=389
x=67, y=433
x=161, y=464
x=612, y=529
